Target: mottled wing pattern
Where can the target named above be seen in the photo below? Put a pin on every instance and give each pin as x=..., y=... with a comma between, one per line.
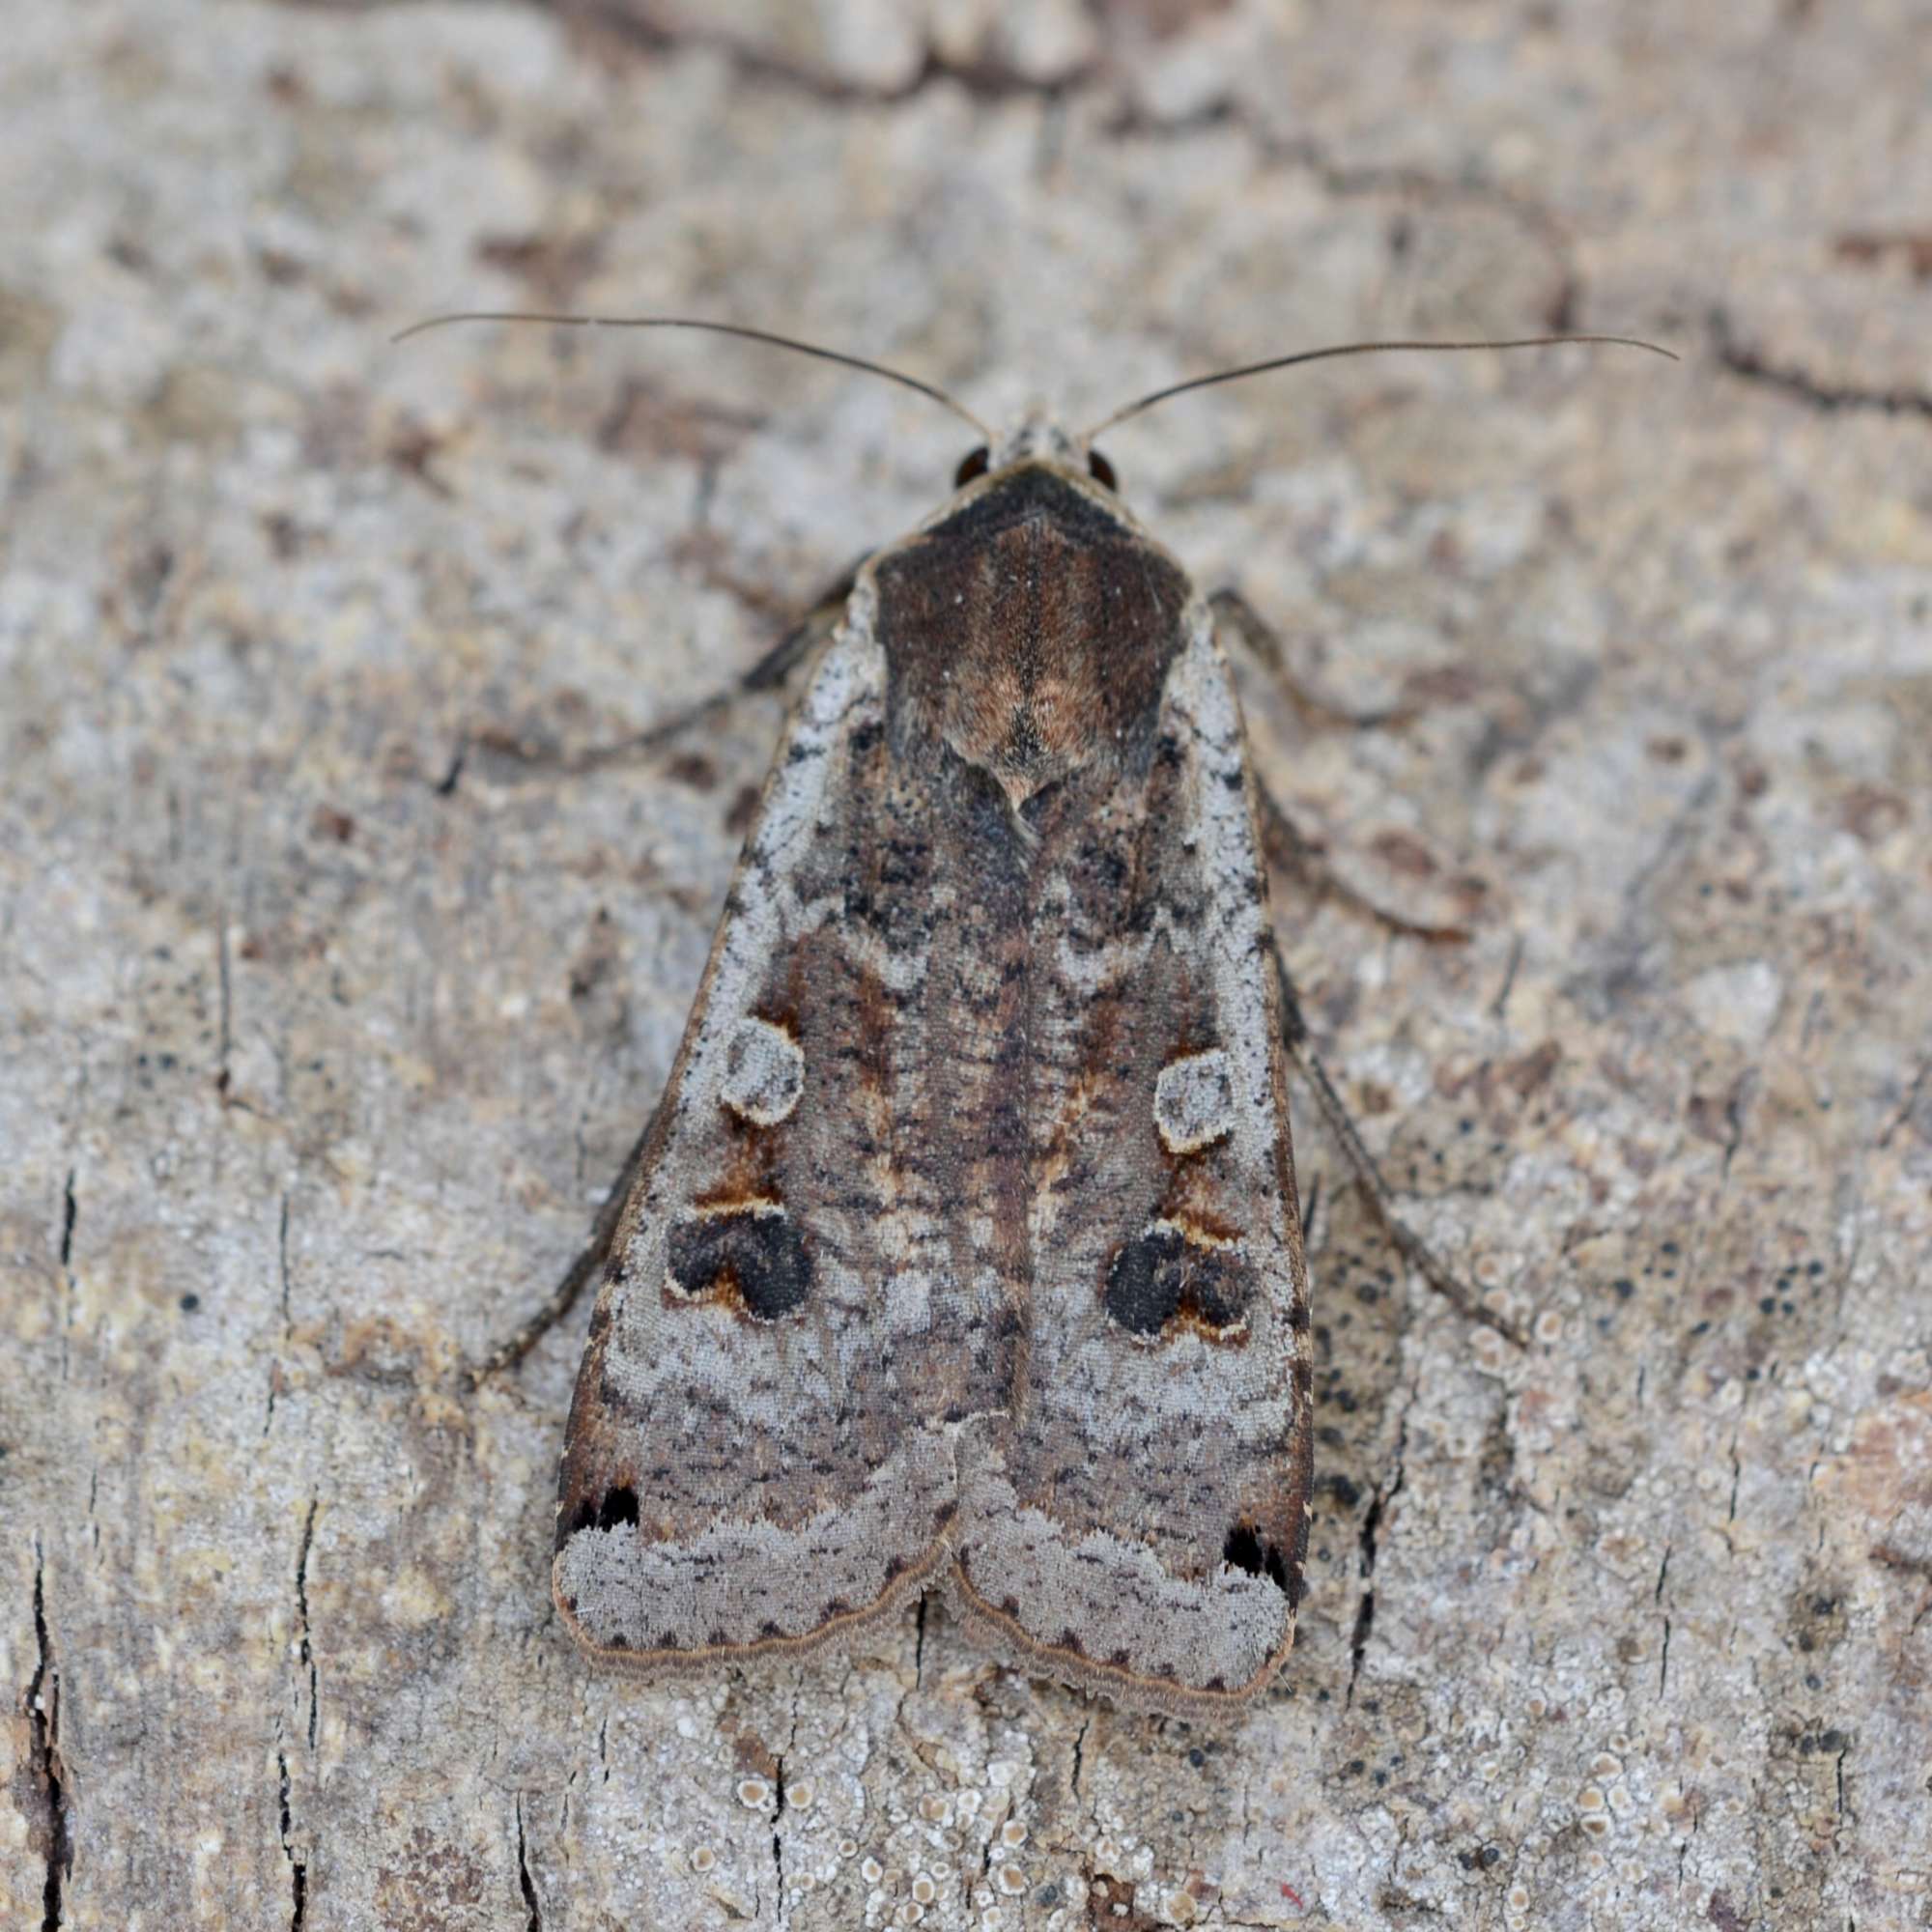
x=1133, y=1514
x=965, y=1238
x=762, y=1450
x=1137, y=1521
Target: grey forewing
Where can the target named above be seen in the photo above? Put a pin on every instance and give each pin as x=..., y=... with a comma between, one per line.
x=959, y=1237
x=1123, y=1098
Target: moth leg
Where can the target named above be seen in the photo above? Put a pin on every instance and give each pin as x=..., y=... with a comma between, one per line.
x=1264, y=645
x=1289, y=849
x=1381, y=1198
x=511, y=1350
x=770, y=673
x=1291, y=852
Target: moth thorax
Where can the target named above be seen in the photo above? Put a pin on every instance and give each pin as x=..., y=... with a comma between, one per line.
x=1024, y=725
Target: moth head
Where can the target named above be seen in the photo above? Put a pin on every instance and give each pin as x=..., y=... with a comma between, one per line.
x=1037, y=439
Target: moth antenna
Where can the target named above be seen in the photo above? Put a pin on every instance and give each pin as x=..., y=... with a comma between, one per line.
x=858, y=362
x=1354, y=348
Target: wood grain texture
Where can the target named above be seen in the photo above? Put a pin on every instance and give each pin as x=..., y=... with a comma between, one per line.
x=326, y=1015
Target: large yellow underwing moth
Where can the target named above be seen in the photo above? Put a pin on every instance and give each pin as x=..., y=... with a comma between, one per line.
x=963, y=1251
x=965, y=1246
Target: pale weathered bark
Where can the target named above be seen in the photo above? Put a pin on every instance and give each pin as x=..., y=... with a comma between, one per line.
x=325, y=1021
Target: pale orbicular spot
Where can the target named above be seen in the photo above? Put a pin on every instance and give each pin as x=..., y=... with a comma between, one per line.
x=764, y=1072
x=1194, y=1101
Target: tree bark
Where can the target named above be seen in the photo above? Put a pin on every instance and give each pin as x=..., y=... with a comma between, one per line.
x=332, y=994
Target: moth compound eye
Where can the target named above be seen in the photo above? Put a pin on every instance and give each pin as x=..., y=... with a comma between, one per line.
x=1102, y=470
x=975, y=465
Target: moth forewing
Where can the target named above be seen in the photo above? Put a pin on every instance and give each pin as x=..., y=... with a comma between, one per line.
x=1139, y=1525
x=739, y=1473
x=966, y=1240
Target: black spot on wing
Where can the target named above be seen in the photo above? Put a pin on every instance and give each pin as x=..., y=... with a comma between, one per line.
x=620, y=1505
x=1246, y=1549
x=1161, y=1274
x=1144, y=1283
x=617, y=1505
x=753, y=1256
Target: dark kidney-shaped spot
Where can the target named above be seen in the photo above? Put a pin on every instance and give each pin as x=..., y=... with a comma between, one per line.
x=754, y=1257
x=1161, y=1274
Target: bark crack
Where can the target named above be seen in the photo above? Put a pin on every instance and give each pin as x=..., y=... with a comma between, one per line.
x=307, y=1649
x=226, y=984
x=69, y=1209
x=778, y=1806
x=70, y=1214
x=525, y=1883
x=282, y=1261
x=297, y=1867
x=1371, y=1530
x=630, y=26
x=777, y=1834
x=1741, y=359
x=1909, y=1105
x=43, y=1754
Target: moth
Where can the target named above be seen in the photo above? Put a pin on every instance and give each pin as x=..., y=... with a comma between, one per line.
x=963, y=1249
